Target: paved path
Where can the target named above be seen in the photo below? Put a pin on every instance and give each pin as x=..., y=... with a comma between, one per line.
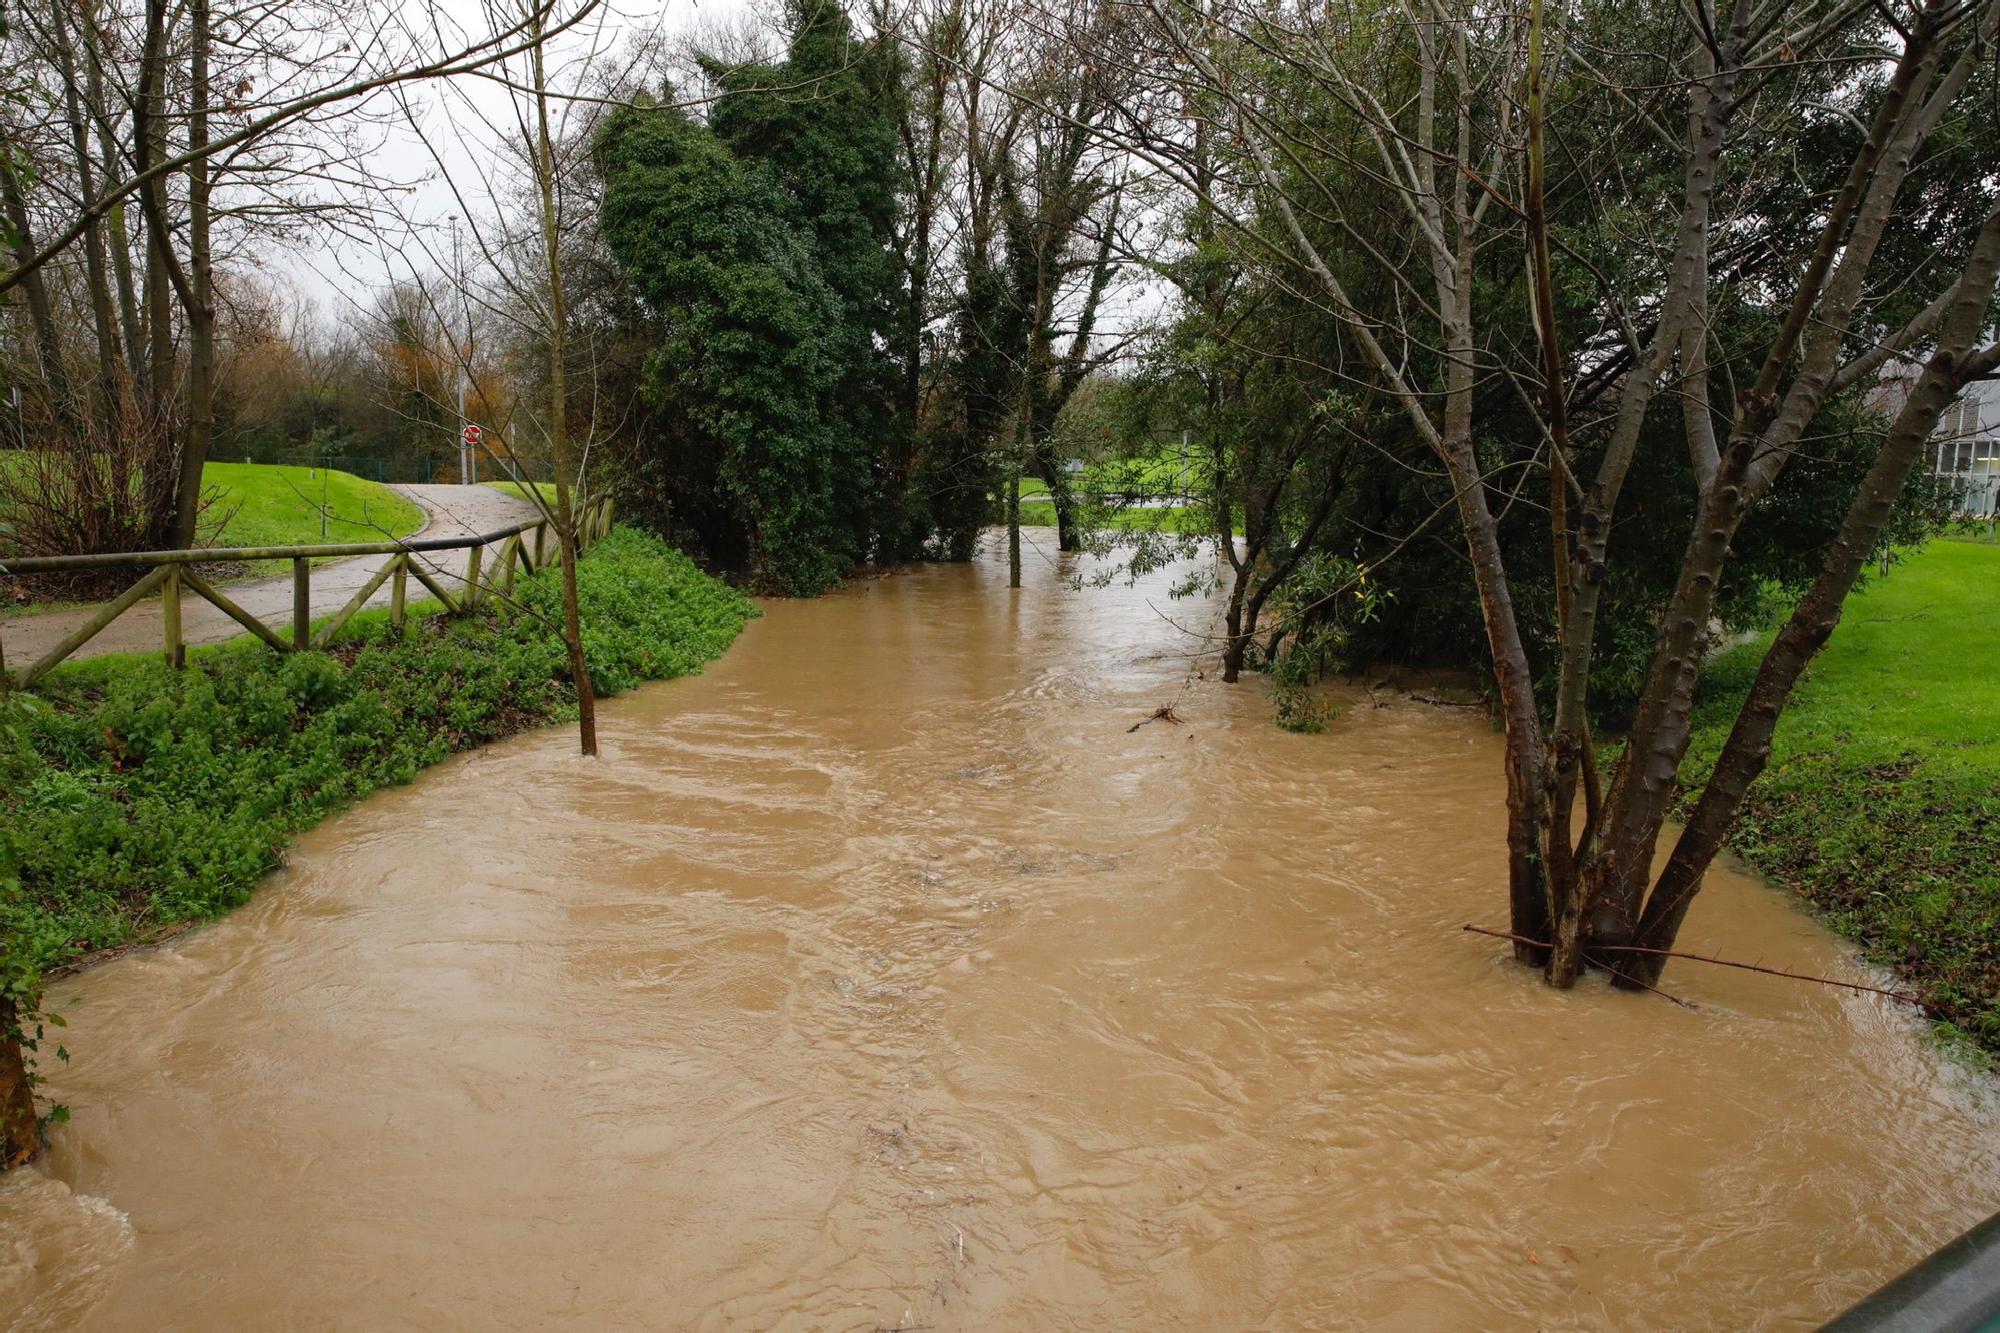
x=455, y=511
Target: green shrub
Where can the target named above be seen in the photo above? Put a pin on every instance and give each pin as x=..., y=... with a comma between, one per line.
x=133, y=796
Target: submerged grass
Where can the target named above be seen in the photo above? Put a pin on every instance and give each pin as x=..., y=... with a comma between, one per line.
x=1881, y=804
x=134, y=797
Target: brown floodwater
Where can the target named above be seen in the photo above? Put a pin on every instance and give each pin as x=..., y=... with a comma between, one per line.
x=882, y=978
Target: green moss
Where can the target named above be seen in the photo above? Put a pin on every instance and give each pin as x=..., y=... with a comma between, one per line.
x=133, y=796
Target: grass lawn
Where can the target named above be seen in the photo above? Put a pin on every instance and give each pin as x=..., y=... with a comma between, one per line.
x=1881, y=805
x=519, y=490
x=262, y=504
x=1162, y=475
x=1042, y=514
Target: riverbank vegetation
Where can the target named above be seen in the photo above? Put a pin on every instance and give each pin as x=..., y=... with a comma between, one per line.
x=1881, y=803
x=134, y=797
x=138, y=796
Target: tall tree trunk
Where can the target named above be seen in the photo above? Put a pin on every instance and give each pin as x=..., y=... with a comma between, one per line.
x=567, y=517
x=41, y=316
x=116, y=233
x=1770, y=419
x=1235, y=639
x=201, y=284
x=96, y=274
x=1813, y=621
x=150, y=136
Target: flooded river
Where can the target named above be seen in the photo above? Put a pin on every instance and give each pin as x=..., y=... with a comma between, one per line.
x=882, y=978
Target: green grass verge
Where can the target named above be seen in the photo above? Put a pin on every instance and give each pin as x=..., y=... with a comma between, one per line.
x=1881, y=804
x=545, y=489
x=134, y=797
x=1041, y=514
x=264, y=504
x=269, y=504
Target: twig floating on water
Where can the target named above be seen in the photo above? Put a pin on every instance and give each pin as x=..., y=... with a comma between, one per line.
x=1166, y=714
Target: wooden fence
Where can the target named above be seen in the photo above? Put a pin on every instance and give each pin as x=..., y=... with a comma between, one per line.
x=528, y=546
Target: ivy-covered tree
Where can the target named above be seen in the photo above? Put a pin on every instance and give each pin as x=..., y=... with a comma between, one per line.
x=761, y=244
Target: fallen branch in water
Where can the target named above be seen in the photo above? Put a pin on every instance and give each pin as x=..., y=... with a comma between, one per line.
x=1905, y=996
x=1625, y=976
x=1166, y=714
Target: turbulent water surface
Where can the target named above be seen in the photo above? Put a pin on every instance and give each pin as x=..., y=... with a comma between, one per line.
x=882, y=978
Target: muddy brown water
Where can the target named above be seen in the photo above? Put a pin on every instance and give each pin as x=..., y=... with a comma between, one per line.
x=881, y=978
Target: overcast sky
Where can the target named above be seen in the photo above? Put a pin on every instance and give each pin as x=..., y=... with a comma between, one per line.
x=340, y=273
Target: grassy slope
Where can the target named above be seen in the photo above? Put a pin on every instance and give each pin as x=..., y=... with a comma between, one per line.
x=1881, y=804
x=262, y=504
x=547, y=490
x=133, y=797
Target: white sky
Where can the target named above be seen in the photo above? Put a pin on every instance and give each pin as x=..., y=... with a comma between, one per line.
x=340, y=273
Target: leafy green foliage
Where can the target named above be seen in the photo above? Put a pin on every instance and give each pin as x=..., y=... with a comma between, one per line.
x=761, y=246
x=1295, y=708
x=133, y=796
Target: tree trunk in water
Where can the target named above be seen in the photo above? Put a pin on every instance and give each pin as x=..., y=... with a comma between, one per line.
x=1014, y=523
x=1067, y=536
x=579, y=671
x=1813, y=621
x=18, y=1139
x=1236, y=640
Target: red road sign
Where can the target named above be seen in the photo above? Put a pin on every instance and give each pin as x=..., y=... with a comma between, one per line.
x=471, y=433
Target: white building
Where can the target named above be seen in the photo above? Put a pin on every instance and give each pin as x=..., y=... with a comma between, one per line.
x=1967, y=448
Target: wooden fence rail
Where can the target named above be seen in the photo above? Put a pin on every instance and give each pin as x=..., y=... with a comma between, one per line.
x=528, y=546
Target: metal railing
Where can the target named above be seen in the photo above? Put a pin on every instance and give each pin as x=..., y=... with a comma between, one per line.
x=1956, y=1290
x=169, y=572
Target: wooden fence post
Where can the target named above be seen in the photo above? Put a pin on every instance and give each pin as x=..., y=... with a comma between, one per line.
x=508, y=555
x=301, y=603
x=170, y=619
x=397, y=590
x=471, y=597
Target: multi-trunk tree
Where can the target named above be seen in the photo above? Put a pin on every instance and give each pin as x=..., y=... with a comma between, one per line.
x=1436, y=120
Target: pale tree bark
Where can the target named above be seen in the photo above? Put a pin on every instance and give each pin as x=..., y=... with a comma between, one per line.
x=1770, y=420
x=1583, y=890
x=200, y=304
x=567, y=515
x=1953, y=365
